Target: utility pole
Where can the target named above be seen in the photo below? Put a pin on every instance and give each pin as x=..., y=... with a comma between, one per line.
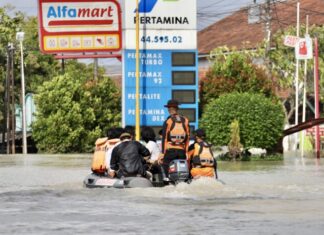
x=20, y=37
x=262, y=13
x=317, y=98
x=95, y=68
x=267, y=26
x=304, y=95
x=6, y=136
x=9, y=103
x=62, y=66
x=12, y=101
x=297, y=79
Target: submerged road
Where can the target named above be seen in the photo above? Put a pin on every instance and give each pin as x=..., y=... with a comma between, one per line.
x=43, y=194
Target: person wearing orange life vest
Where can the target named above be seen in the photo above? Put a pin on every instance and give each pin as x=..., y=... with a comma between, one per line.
x=201, y=158
x=98, y=165
x=175, y=136
x=103, y=149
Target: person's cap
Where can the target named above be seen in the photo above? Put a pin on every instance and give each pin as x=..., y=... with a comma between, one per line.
x=200, y=133
x=125, y=134
x=172, y=103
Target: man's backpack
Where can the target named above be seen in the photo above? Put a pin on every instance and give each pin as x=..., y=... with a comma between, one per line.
x=177, y=133
x=203, y=155
x=98, y=161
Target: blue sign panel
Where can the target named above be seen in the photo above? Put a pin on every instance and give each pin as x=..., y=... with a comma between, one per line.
x=152, y=101
x=154, y=68
x=156, y=86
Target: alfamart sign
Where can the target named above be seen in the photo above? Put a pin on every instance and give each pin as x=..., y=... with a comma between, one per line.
x=79, y=26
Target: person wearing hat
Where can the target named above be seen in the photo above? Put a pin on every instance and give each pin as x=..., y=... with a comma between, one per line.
x=127, y=158
x=175, y=136
x=201, y=158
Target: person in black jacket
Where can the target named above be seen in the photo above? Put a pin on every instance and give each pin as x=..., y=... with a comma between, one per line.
x=127, y=158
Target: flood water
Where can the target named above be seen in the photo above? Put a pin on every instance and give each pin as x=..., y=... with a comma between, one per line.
x=43, y=194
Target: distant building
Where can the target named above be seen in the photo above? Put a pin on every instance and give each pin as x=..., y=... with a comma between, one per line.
x=235, y=30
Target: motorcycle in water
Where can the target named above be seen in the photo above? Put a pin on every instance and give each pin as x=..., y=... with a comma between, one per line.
x=178, y=172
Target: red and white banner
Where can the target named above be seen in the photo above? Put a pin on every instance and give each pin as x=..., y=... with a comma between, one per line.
x=79, y=26
x=304, y=49
x=290, y=41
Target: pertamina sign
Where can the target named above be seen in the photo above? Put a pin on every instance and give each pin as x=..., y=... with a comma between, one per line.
x=79, y=26
x=164, y=24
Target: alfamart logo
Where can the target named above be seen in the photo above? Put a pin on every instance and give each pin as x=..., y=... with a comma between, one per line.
x=79, y=13
x=146, y=6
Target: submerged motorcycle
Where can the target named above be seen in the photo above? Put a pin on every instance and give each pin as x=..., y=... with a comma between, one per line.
x=178, y=172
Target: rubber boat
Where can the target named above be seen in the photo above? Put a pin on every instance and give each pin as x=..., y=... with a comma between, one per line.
x=102, y=181
x=178, y=172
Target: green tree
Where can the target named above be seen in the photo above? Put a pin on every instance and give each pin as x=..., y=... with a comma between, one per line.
x=283, y=64
x=9, y=22
x=234, y=71
x=261, y=119
x=39, y=67
x=72, y=112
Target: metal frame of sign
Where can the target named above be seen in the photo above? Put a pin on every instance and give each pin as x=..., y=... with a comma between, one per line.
x=108, y=40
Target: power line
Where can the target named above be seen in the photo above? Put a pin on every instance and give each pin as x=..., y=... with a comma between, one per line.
x=211, y=5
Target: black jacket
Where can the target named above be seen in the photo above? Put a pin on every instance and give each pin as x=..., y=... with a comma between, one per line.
x=127, y=158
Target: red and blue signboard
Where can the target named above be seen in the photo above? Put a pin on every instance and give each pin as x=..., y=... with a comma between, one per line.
x=80, y=26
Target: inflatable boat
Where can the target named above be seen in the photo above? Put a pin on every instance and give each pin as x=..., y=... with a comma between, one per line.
x=178, y=172
x=103, y=181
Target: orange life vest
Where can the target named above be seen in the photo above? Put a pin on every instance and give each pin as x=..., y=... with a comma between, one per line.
x=203, y=161
x=98, y=160
x=177, y=133
x=203, y=155
x=202, y=172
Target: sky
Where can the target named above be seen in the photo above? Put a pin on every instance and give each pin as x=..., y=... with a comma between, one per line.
x=209, y=11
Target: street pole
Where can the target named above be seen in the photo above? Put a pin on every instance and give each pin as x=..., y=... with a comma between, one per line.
x=304, y=95
x=95, y=68
x=268, y=27
x=316, y=90
x=6, y=102
x=296, y=79
x=137, y=104
x=20, y=38
x=12, y=101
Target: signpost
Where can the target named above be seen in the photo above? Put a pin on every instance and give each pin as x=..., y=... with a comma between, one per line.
x=168, y=64
x=79, y=26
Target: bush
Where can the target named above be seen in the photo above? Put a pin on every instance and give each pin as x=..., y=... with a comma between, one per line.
x=234, y=72
x=261, y=119
x=72, y=112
